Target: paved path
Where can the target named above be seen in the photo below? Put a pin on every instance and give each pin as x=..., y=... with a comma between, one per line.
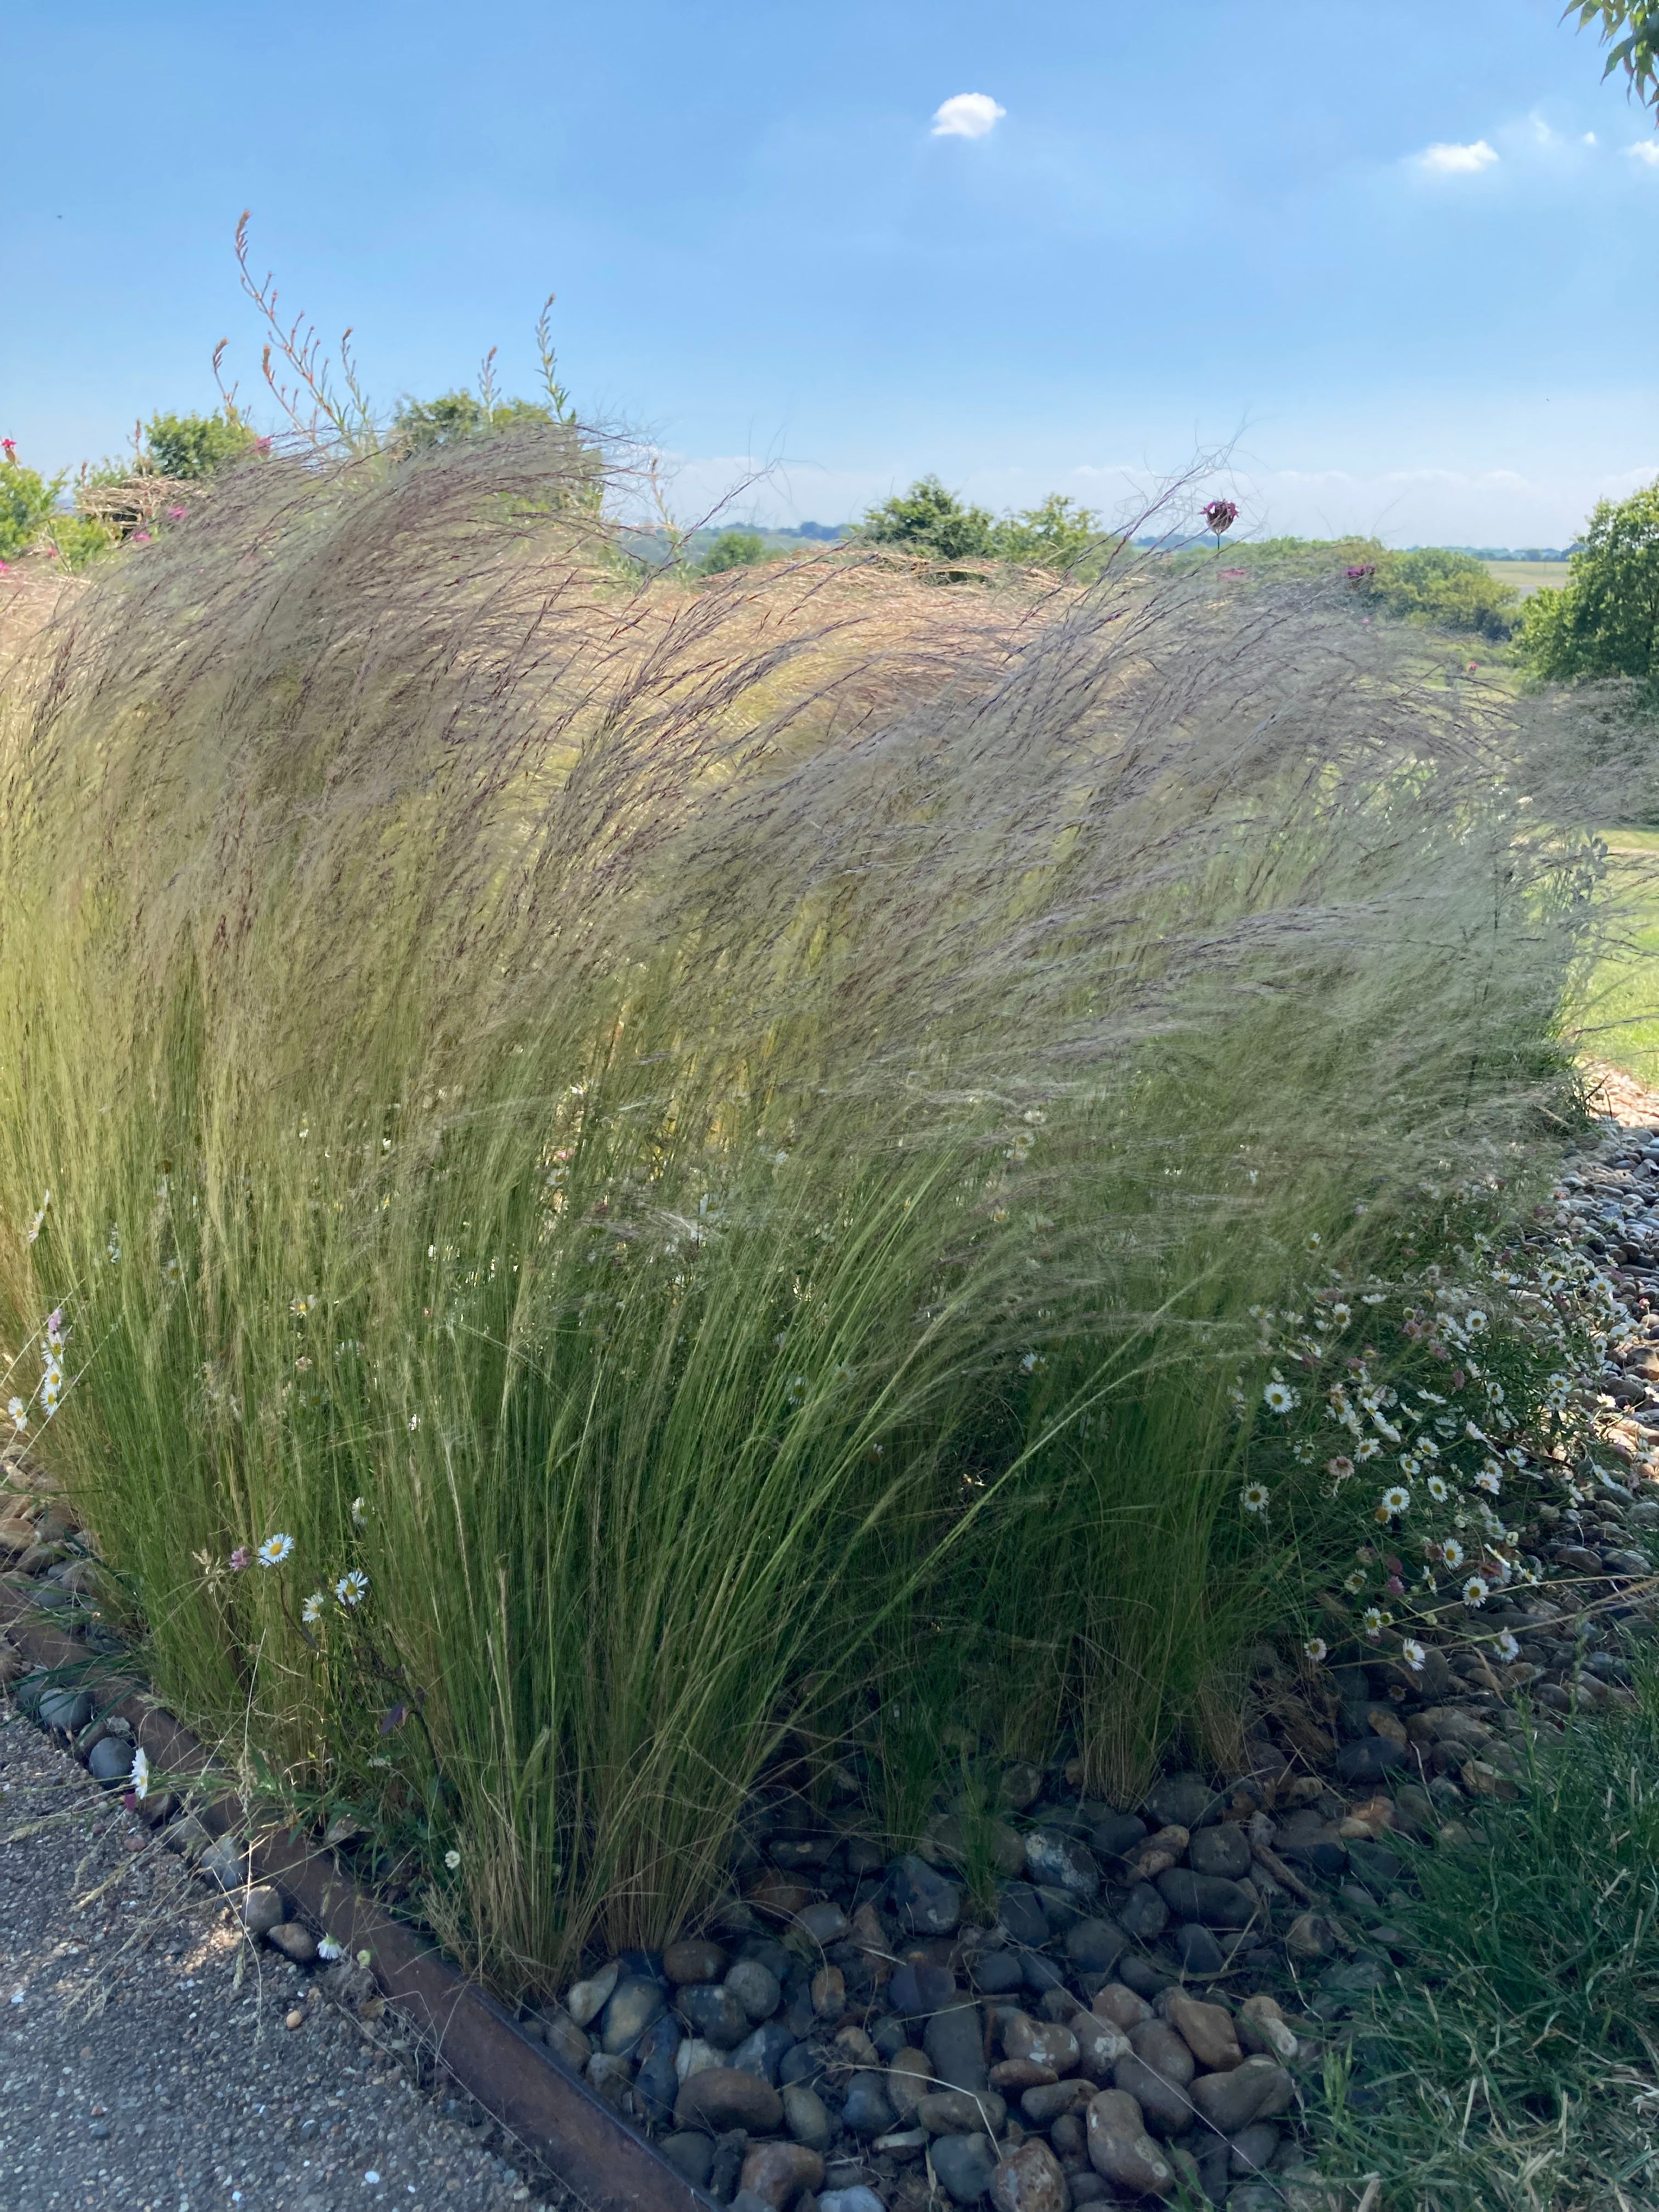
x=145, y=2061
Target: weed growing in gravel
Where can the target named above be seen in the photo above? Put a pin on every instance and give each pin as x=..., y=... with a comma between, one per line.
x=1516, y=2064
x=712, y=1140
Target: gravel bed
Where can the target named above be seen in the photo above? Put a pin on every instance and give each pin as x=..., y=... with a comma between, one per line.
x=154, y=2060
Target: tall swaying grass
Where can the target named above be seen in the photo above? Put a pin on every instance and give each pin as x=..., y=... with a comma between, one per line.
x=714, y=1141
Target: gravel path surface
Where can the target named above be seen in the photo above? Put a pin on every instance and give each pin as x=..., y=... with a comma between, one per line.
x=154, y=2061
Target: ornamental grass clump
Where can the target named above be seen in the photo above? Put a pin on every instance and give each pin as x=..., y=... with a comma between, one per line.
x=714, y=1142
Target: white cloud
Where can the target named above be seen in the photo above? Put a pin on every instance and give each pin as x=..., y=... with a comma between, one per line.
x=1590, y=138
x=967, y=115
x=1457, y=160
x=1646, y=149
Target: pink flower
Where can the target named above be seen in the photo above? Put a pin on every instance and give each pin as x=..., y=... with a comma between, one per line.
x=1394, y=1584
x=10, y=445
x=1473, y=666
x=175, y=514
x=1220, y=515
x=140, y=538
x=238, y=1559
x=1357, y=573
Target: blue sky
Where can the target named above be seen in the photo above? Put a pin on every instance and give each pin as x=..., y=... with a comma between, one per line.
x=1215, y=225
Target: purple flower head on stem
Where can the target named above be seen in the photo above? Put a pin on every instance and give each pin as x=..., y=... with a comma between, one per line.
x=1357, y=573
x=238, y=1559
x=1220, y=515
x=175, y=514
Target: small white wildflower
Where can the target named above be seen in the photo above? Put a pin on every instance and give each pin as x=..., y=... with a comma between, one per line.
x=1354, y=1583
x=1490, y=1480
x=1373, y=1621
x=1474, y=1321
x=1436, y=1488
x=19, y=1413
x=1395, y=1499
x=311, y=1611
x=1254, y=1498
x=1452, y=1552
x=274, y=1551
x=1368, y=1448
x=140, y=1775
x=328, y=1949
x=352, y=1587
x=452, y=1860
x=1508, y=1648
x=1279, y=1397
x=1474, y=1591
x=358, y=1513
x=1412, y=1653
x=1030, y=1362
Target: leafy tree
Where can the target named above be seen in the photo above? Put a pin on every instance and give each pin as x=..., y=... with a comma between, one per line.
x=734, y=548
x=1058, y=534
x=454, y=416
x=1438, y=586
x=26, y=499
x=929, y=520
x=194, y=445
x=1630, y=31
x=1604, y=620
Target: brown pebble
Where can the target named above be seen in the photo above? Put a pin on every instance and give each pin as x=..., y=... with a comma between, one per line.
x=295, y=2019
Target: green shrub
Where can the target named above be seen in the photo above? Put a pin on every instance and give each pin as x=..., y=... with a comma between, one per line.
x=930, y=521
x=1604, y=621
x=1453, y=590
x=26, y=499
x=723, y=1160
x=194, y=446
x=424, y=424
x=732, y=549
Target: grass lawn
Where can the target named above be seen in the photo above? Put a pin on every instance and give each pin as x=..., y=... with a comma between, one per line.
x=1622, y=1019
x=1528, y=576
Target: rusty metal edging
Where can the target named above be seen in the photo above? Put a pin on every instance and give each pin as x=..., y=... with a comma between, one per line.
x=474, y=2039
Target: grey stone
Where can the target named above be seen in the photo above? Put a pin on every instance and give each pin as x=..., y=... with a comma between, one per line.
x=923, y=1901
x=1168, y=2107
x=1183, y=1801
x=920, y=1988
x=866, y=2110
x=955, y=2040
x=634, y=2004
x=657, y=2086
x=755, y=1988
x=1207, y=1898
x=1198, y=1950
x=1096, y=1945
x=1143, y=1915
x=855, y=2199
x=1222, y=1850
x=67, y=1710
x=1116, y=1833
x=1253, y=2148
x=110, y=1760
x=997, y=1973
x=190, y=1837
x=293, y=1941
x=1061, y=1862
x=824, y=1923
x=763, y=2051
x=714, y=2012
x=807, y=2118
x=585, y=2000
x=1019, y=1910
x=1369, y=1757
x=965, y=2165
x=691, y=2154
x=1255, y=2090
x=225, y=1862
x=262, y=1908
x=954, y=2113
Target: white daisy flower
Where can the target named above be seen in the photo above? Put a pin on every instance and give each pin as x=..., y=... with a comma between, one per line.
x=1373, y=1620
x=1508, y=1648
x=1452, y=1554
x=1395, y=1499
x=1474, y=1591
x=1254, y=1498
x=1340, y=1469
x=274, y=1551
x=1437, y=1491
x=352, y=1587
x=19, y=1413
x=329, y=1949
x=452, y=1860
x=1354, y=1583
x=140, y=1775
x=1368, y=1448
x=1315, y=1649
x=311, y=1611
x=1279, y=1397
x=1490, y=1480
x=1412, y=1653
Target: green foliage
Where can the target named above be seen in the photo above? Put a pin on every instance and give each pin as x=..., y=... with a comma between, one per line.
x=1506, y=2065
x=1629, y=31
x=1436, y=585
x=194, y=446
x=734, y=548
x=930, y=521
x=760, y=1191
x=1604, y=620
x=27, y=500
x=80, y=539
x=455, y=416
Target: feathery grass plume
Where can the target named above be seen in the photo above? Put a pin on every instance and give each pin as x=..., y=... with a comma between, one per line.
x=712, y=1139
